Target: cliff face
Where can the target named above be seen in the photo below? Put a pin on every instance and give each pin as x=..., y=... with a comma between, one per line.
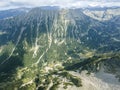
x=39, y=47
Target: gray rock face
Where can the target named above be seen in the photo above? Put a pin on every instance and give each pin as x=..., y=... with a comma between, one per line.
x=102, y=15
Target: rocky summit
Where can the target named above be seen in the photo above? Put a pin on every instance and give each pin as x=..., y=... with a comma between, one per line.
x=52, y=48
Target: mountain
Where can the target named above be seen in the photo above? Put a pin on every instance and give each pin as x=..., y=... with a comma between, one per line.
x=61, y=49
x=102, y=13
x=4, y=14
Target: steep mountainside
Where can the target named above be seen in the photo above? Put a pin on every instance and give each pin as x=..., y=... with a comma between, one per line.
x=38, y=50
x=6, y=14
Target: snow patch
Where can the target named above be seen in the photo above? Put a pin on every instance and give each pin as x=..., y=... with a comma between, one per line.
x=115, y=39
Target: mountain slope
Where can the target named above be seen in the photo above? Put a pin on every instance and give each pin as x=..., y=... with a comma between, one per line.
x=5, y=14
x=38, y=49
